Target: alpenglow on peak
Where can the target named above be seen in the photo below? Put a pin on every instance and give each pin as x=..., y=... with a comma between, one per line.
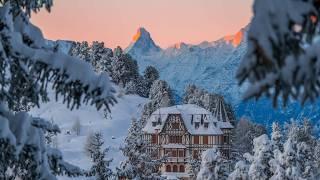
x=142, y=43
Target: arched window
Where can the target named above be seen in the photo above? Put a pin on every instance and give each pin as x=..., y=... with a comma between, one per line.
x=168, y=168
x=181, y=168
x=175, y=168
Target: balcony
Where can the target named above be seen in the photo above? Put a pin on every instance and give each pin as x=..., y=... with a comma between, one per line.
x=176, y=159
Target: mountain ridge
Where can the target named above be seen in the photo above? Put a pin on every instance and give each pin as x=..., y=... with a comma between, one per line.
x=212, y=66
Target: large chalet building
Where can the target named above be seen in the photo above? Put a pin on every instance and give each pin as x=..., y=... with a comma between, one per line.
x=183, y=132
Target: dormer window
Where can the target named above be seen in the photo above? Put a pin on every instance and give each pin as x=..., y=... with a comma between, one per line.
x=154, y=124
x=159, y=121
x=191, y=118
x=206, y=124
x=196, y=125
x=201, y=118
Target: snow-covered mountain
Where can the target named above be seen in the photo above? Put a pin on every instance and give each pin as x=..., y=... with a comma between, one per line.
x=142, y=43
x=212, y=66
x=209, y=64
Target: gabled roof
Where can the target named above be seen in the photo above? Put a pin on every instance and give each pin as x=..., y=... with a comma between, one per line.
x=187, y=112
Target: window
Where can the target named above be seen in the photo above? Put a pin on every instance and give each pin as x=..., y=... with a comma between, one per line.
x=168, y=168
x=195, y=154
x=201, y=118
x=181, y=153
x=174, y=153
x=225, y=139
x=206, y=124
x=154, y=124
x=196, y=125
x=205, y=139
x=175, y=139
x=168, y=152
x=215, y=140
x=154, y=139
x=215, y=124
x=191, y=118
x=181, y=168
x=175, y=168
x=175, y=125
x=196, y=139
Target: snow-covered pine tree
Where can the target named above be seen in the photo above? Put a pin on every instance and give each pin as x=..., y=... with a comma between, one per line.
x=142, y=84
x=26, y=59
x=194, y=95
x=50, y=135
x=262, y=154
x=283, y=53
x=76, y=127
x=138, y=86
x=213, y=166
x=276, y=136
x=245, y=131
x=100, y=168
x=194, y=167
x=298, y=154
x=298, y=159
x=123, y=68
x=81, y=50
x=139, y=164
x=240, y=171
x=143, y=88
x=101, y=57
x=160, y=96
x=317, y=159
x=276, y=162
x=131, y=87
x=290, y=159
x=150, y=74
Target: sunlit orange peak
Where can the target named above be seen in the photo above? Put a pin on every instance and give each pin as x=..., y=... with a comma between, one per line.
x=179, y=45
x=136, y=36
x=140, y=32
x=236, y=39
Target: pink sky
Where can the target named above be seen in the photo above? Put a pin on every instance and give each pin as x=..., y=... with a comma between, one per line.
x=169, y=21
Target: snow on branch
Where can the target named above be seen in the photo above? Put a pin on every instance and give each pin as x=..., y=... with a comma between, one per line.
x=73, y=79
x=282, y=59
x=45, y=125
x=60, y=167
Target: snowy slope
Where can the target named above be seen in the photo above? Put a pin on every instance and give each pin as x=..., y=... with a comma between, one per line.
x=114, y=128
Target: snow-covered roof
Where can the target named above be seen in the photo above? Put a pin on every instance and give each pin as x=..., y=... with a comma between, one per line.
x=225, y=125
x=189, y=113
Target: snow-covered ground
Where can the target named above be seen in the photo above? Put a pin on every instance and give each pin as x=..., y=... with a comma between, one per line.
x=114, y=128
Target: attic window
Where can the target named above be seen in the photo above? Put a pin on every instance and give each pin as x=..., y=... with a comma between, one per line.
x=196, y=125
x=215, y=124
x=206, y=124
x=154, y=124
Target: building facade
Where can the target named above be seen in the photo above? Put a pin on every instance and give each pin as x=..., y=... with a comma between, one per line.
x=182, y=133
